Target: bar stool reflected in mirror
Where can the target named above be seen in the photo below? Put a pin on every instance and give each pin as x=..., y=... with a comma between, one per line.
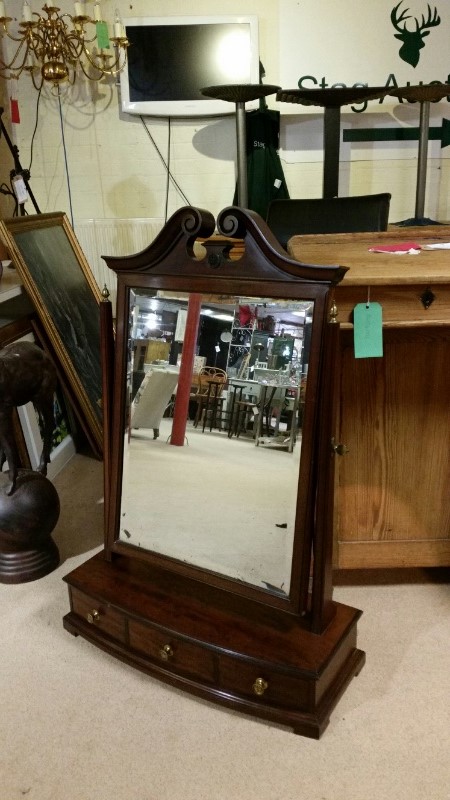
x=250, y=410
x=209, y=398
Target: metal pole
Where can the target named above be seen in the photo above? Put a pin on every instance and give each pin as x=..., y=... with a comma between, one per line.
x=424, y=126
x=331, y=145
x=242, y=183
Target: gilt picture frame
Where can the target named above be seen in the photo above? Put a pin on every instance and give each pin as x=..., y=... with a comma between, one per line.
x=66, y=297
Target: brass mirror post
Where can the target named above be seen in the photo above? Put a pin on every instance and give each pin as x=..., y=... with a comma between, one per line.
x=107, y=361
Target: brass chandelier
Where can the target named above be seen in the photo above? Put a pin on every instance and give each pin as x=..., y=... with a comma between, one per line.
x=54, y=47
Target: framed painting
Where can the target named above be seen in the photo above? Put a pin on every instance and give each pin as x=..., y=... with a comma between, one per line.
x=66, y=297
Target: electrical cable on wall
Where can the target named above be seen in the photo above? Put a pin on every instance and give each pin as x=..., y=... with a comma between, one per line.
x=19, y=177
x=65, y=158
x=169, y=136
x=35, y=128
x=166, y=164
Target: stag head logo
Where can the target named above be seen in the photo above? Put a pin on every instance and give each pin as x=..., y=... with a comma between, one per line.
x=413, y=41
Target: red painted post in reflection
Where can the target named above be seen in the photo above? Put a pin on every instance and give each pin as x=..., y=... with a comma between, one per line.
x=181, y=409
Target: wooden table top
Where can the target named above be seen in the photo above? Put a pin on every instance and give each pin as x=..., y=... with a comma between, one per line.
x=366, y=268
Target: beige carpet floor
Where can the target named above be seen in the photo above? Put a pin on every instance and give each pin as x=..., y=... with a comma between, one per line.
x=75, y=724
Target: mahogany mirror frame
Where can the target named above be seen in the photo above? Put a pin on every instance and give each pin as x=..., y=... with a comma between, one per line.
x=243, y=260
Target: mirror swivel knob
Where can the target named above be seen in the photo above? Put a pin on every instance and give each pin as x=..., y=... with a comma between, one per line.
x=260, y=686
x=93, y=616
x=166, y=652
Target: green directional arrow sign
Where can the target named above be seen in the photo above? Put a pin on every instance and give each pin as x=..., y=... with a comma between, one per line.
x=399, y=134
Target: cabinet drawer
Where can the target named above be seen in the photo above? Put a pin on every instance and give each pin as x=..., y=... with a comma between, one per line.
x=268, y=685
x=178, y=655
x=402, y=305
x=100, y=615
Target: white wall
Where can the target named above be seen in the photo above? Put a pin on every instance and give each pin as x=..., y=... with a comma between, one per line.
x=114, y=170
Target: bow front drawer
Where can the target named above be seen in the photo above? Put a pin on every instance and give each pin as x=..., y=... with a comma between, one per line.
x=99, y=614
x=173, y=652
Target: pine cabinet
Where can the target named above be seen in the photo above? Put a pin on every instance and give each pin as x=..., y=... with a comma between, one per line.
x=392, y=500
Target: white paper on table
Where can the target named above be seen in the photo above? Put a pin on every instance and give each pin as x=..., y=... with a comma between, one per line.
x=440, y=246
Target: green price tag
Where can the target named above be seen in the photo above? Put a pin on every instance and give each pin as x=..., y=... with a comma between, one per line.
x=368, y=330
x=102, y=35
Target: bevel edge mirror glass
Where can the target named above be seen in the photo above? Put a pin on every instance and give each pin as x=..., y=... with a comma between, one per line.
x=226, y=500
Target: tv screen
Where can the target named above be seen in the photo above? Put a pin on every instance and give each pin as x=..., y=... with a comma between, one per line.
x=171, y=59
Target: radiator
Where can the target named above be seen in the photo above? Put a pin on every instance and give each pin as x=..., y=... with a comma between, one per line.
x=113, y=237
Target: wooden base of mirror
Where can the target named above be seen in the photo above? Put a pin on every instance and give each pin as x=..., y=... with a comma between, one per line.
x=240, y=654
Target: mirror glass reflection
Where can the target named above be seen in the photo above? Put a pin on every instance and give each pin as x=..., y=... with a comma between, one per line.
x=224, y=499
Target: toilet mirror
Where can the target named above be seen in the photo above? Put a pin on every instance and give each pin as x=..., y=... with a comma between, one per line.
x=215, y=407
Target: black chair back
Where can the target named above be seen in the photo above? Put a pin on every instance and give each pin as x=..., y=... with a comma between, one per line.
x=368, y=212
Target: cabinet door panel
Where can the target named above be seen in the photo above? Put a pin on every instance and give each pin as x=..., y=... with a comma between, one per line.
x=393, y=507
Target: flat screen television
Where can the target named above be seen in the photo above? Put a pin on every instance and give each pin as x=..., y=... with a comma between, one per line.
x=170, y=59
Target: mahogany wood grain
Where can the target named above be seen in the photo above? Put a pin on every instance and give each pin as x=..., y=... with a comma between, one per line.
x=109, y=621
x=219, y=648
x=183, y=656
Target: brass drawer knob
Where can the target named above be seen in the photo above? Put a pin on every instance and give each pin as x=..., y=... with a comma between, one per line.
x=260, y=686
x=166, y=652
x=93, y=616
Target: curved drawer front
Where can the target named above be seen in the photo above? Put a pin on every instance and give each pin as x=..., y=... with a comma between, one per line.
x=260, y=683
x=177, y=654
x=99, y=614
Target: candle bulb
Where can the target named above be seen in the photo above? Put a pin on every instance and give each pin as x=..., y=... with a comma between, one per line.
x=97, y=14
x=118, y=30
x=26, y=13
x=79, y=11
x=2, y=9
